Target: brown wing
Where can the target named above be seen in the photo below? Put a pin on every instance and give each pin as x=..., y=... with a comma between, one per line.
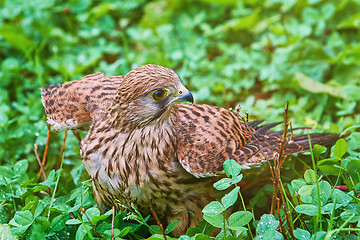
x=208, y=135
x=76, y=104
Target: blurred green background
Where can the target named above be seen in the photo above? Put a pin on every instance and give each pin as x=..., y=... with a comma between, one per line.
x=256, y=53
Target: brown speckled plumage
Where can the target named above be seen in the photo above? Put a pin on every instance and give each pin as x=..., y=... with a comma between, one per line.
x=75, y=104
x=172, y=150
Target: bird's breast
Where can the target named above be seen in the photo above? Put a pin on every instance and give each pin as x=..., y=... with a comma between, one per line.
x=127, y=164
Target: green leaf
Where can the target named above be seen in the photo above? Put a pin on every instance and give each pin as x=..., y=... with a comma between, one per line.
x=159, y=237
x=330, y=166
x=215, y=220
x=297, y=184
x=40, y=207
x=328, y=208
x=155, y=229
x=232, y=168
x=201, y=236
x=318, y=235
x=109, y=233
x=205, y=227
x=237, y=179
x=96, y=219
x=171, y=226
x=184, y=237
x=239, y=219
x=317, y=150
x=223, y=184
x=353, y=168
x=20, y=230
x=21, y=166
x=73, y=221
x=50, y=179
x=325, y=192
x=124, y=231
x=350, y=215
x=213, y=208
x=307, y=209
x=23, y=217
x=36, y=232
x=352, y=21
x=310, y=176
x=81, y=232
x=266, y=228
x=340, y=198
x=57, y=224
x=302, y=234
x=230, y=198
x=340, y=148
x=267, y=222
x=14, y=35
x=91, y=212
x=6, y=232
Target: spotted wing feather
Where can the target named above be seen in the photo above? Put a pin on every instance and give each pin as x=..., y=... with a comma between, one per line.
x=77, y=104
x=208, y=135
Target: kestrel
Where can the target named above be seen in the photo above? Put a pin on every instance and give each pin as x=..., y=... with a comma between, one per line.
x=142, y=138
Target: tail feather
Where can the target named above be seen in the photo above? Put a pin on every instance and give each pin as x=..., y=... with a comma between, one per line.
x=270, y=142
x=299, y=143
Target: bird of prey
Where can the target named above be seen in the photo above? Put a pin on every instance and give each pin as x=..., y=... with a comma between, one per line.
x=142, y=137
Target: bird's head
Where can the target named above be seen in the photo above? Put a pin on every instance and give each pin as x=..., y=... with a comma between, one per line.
x=148, y=92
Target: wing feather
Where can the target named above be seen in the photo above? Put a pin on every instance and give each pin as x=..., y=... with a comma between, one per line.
x=77, y=104
x=208, y=135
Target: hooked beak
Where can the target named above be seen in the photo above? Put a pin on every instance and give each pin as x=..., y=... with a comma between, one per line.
x=183, y=95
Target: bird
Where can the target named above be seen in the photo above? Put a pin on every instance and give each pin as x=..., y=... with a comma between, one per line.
x=148, y=144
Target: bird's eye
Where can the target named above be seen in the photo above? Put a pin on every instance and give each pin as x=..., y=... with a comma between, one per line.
x=158, y=95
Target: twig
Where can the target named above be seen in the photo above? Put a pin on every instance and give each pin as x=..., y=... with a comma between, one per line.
x=112, y=223
x=154, y=214
x=92, y=225
x=45, y=151
x=281, y=222
x=275, y=170
x=277, y=160
x=63, y=148
x=39, y=161
x=283, y=139
x=278, y=168
x=41, y=166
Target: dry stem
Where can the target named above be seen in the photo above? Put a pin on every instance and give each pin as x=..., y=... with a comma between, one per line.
x=112, y=223
x=39, y=161
x=63, y=148
x=42, y=164
x=92, y=225
x=277, y=183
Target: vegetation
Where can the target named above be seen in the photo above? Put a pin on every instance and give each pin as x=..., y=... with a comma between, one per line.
x=258, y=54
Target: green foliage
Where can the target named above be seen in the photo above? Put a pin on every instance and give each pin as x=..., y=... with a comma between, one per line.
x=324, y=207
x=256, y=53
x=214, y=212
